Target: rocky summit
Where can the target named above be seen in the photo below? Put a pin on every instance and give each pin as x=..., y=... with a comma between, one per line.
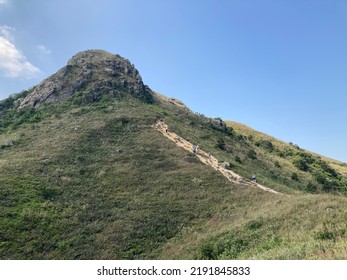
x=91, y=75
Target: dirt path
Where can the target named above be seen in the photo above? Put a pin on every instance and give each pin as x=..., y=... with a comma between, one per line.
x=208, y=159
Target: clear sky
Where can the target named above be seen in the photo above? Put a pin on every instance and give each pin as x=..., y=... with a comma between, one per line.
x=279, y=66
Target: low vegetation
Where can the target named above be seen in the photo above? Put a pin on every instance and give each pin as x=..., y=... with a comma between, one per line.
x=96, y=181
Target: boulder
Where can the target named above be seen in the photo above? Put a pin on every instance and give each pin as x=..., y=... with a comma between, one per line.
x=226, y=165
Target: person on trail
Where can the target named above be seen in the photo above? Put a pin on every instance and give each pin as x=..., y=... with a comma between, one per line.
x=254, y=178
x=197, y=149
x=194, y=149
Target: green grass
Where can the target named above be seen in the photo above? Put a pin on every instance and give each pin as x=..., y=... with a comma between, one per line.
x=68, y=192
x=304, y=227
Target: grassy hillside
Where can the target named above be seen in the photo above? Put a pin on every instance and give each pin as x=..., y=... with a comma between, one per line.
x=340, y=167
x=316, y=173
x=95, y=180
x=98, y=182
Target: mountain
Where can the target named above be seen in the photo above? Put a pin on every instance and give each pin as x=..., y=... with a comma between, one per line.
x=96, y=165
x=92, y=74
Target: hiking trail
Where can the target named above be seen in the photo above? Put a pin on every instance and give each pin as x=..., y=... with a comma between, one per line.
x=208, y=159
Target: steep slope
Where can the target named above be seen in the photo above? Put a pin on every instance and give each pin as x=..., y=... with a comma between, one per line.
x=209, y=159
x=84, y=175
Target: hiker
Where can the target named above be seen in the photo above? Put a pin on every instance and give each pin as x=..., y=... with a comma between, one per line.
x=197, y=149
x=194, y=149
x=254, y=178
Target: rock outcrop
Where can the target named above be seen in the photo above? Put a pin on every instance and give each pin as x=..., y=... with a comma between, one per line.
x=90, y=75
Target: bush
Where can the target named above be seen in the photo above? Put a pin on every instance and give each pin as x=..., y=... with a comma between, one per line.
x=326, y=233
x=279, y=153
x=241, y=138
x=301, y=164
x=311, y=188
x=237, y=159
x=328, y=186
x=295, y=176
x=320, y=177
x=324, y=165
x=287, y=152
x=254, y=225
x=251, y=154
x=215, y=248
x=265, y=144
x=221, y=144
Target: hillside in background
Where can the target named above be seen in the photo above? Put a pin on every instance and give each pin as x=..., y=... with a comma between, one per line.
x=85, y=174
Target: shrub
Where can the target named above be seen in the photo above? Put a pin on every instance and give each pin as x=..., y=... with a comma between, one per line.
x=215, y=248
x=287, y=152
x=251, y=154
x=325, y=234
x=49, y=193
x=221, y=144
x=237, y=159
x=241, y=138
x=311, y=188
x=254, y=225
x=265, y=144
x=295, y=176
x=320, y=177
x=307, y=157
x=324, y=165
x=328, y=185
x=301, y=163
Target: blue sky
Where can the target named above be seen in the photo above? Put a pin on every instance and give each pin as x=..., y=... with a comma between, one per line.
x=278, y=66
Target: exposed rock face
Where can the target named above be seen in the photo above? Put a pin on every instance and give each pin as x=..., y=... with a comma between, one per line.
x=219, y=123
x=91, y=75
x=17, y=102
x=226, y=165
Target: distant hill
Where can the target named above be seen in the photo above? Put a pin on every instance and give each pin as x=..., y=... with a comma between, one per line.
x=96, y=165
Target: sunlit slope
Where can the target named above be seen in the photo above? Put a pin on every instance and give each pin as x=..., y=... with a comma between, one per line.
x=324, y=174
x=246, y=130
x=87, y=176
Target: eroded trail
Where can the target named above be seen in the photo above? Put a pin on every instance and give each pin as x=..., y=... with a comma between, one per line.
x=208, y=159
